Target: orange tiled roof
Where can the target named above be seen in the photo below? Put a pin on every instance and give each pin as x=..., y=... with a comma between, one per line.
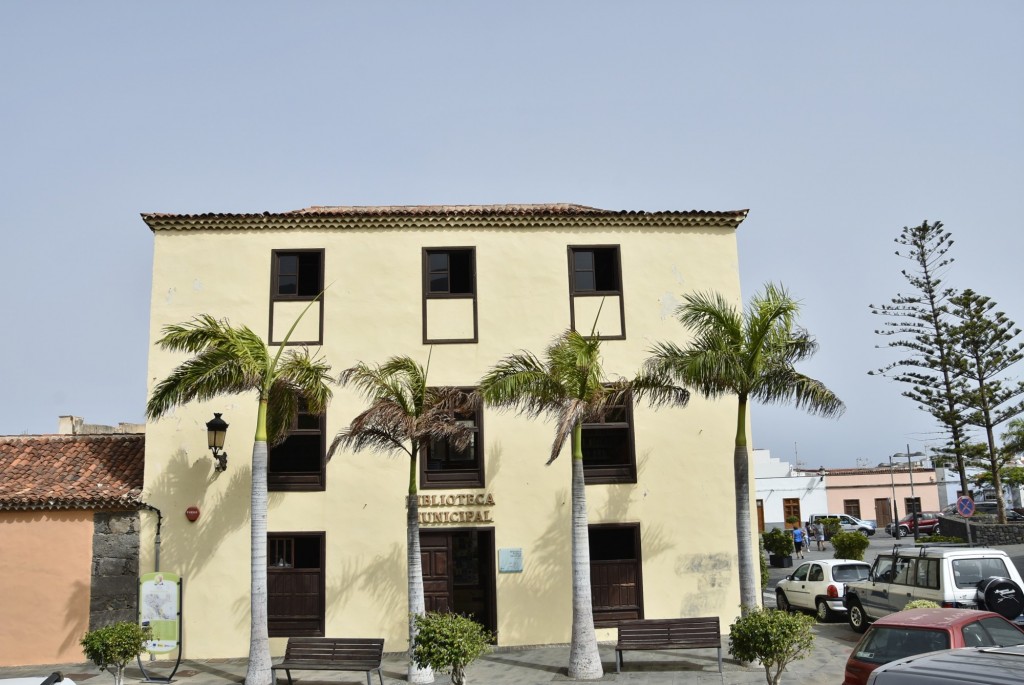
x=71, y=471
x=508, y=215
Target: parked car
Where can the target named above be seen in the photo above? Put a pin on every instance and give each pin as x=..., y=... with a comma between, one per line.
x=927, y=524
x=917, y=631
x=952, y=577
x=55, y=677
x=986, y=666
x=818, y=586
x=989, y=508
x=850, y=524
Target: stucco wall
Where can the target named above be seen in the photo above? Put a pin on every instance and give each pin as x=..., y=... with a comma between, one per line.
x=683, y=500
x=45, y=567
x=871, y=485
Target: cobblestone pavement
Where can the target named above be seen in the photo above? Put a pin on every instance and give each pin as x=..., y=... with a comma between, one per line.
x=519, y=666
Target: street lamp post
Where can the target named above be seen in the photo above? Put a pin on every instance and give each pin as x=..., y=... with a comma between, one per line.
x=895, y=512
x=913, y=498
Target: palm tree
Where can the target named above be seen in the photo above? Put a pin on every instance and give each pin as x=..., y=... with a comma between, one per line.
x=404, y=415
x=570, y=386
x=749, y=354
x=228, y=360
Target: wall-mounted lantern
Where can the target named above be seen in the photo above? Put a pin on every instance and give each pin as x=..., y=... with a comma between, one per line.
x=216, y=429
x=821, y=473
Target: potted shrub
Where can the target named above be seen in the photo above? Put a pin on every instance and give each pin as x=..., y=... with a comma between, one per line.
x=112, y=647
x=772, y=638
x=792, y=521
x=779, y=544
x=921, y=604
x=849, y=545
x=449, y=643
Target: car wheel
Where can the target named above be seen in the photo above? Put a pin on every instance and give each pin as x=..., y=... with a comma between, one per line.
x=904, y=531
x=858, y=620
x=935, y=530
x=1002, y=596
x=781, y=603
x=822, y=611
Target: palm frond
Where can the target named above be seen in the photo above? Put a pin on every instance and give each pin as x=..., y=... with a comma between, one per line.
x=572, y=412
x=522, y=381
x=210, y=373
x=784, y=385
x=384, y=426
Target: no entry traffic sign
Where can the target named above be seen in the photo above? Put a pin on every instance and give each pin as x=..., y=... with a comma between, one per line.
x=965, y=506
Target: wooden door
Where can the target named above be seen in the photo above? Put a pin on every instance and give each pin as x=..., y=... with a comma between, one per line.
x=436, y=555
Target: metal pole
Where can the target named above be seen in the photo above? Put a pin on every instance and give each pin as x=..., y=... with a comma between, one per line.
x=895, y=513
x=913, y=499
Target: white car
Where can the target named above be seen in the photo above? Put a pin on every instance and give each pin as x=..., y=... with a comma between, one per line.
x=818, y=586
x=51, y=679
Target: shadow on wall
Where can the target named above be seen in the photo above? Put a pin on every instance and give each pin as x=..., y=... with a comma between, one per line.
x=375, y=578
x=194, y=551
x=75, y=623
x=550, y=558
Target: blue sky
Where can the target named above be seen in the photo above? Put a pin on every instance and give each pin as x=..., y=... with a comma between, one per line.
x=835, y=124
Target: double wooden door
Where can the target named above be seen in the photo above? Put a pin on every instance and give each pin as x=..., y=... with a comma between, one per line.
x=458, y=573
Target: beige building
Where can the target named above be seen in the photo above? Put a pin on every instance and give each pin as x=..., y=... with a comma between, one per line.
x=464, y=286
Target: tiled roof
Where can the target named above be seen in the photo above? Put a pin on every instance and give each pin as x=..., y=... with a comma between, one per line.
x=71, y=471
x=447, y=216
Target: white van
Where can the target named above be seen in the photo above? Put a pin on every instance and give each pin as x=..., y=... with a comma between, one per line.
x=850, y=524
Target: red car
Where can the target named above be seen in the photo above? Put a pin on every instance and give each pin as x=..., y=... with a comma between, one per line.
x=916, y=631
x=927, y=524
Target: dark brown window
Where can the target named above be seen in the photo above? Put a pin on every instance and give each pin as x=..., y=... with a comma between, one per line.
x=295, y=584
x=298, y=462
x=851, y=507
x=595, y=270
x=449, y=273
x=298, y=275
x=443, y=466
x=595, y=285
x=911, y=505
x=616, y=581
x=608, y=451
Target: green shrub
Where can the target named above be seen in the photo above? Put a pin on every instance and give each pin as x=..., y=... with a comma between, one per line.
x=779, y=542
x=112, y=647
x=449, y=643
x=849, y=545
x=792, y=520
x=938, y=538
x=921, y=604
x=775, y=638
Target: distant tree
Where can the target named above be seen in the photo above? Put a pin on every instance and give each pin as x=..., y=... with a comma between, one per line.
x=749, y=354
x=919, y=325
x=985, y=338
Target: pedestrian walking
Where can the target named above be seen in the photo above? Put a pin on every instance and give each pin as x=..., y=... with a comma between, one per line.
x=799, y=536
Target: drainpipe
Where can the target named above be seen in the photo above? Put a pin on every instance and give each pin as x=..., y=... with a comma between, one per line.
x=156, y=540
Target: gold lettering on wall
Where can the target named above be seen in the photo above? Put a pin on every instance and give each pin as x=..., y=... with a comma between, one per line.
x=470, y=513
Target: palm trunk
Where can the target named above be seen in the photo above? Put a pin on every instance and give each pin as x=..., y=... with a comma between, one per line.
x=584, y=658
x=744, y=552
x=417, y=603
x=259, y=672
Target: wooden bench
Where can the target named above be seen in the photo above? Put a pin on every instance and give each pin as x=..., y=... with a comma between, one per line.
x=332, y=654
x=668, y=633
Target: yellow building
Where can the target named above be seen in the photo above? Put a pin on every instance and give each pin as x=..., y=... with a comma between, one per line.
x=465, y=285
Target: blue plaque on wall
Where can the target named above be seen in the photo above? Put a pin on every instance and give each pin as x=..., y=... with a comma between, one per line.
x=510, y=560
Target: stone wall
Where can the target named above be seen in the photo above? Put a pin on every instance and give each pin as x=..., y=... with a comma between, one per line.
x=115, y=568
x=983, y=534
